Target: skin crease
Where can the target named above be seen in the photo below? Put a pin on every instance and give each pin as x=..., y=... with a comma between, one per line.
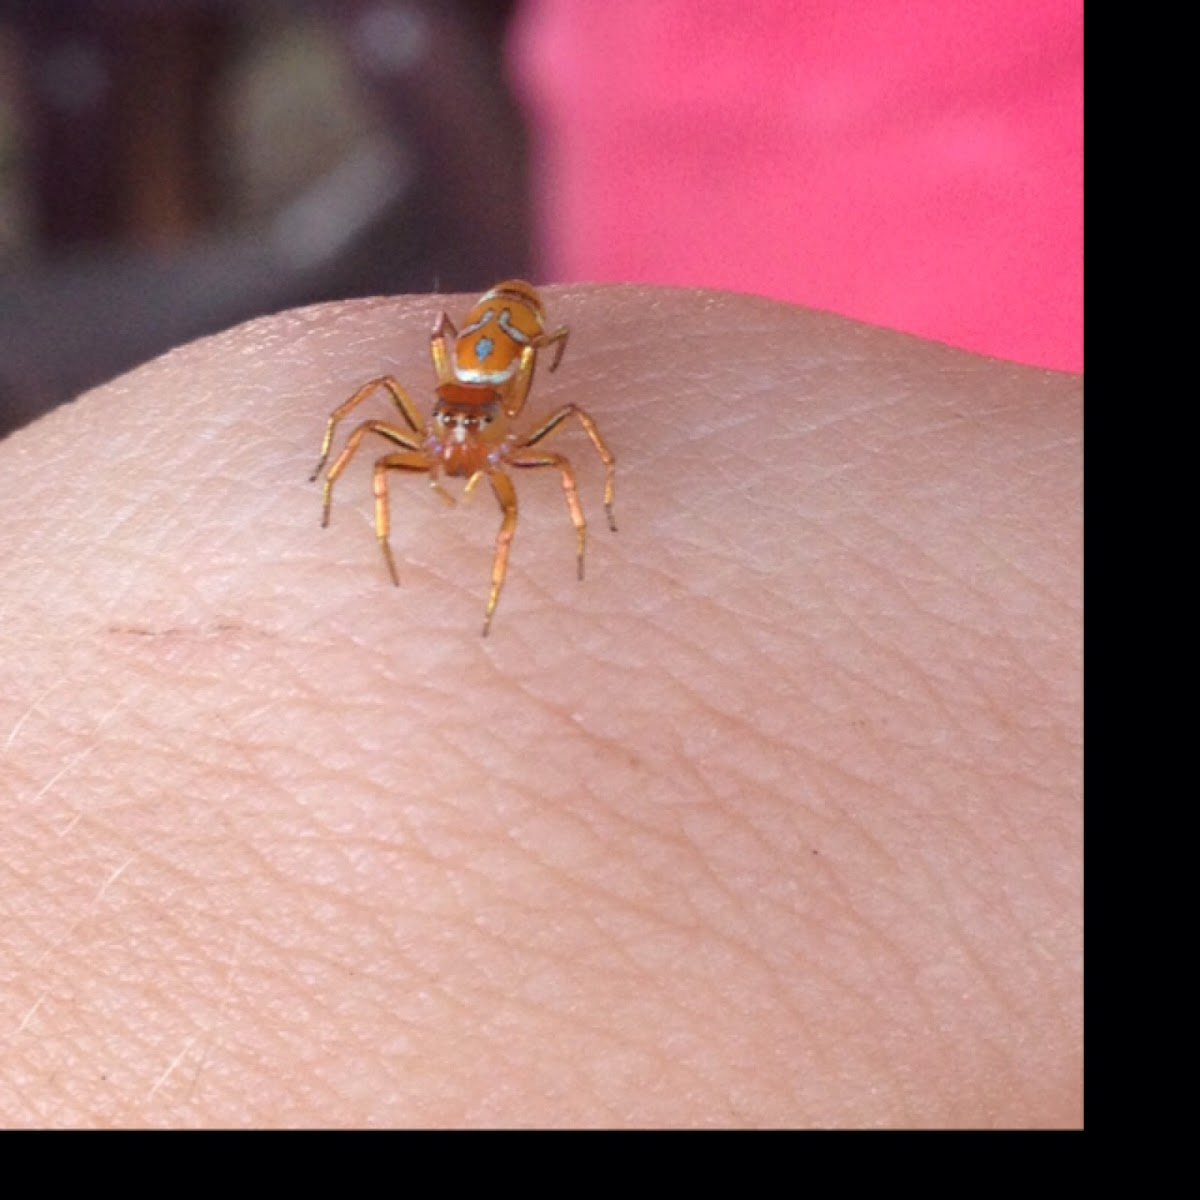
x=775, y=820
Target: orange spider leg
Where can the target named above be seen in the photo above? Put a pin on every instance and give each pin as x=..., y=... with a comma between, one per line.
x=437, y=348
x=606, y=456
x=434, y=472
x=506, y=496
x=400, y=398
x=472, y=480
x=557, y=338
x=517, y=390
x=352, y=443
x=406, y=460
x=569, y=490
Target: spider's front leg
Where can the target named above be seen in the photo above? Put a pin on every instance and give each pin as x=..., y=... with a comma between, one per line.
x=506, y=497
x=400, y=398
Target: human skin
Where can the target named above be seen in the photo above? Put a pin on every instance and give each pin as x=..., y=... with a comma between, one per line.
x=774, y=820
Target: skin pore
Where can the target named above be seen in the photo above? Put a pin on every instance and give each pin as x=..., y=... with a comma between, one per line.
x=774, y=820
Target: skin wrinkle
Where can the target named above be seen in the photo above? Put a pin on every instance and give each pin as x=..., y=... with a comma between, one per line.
x=955, y=927
x=339, y=775
x=766, y=844
x=732, y=941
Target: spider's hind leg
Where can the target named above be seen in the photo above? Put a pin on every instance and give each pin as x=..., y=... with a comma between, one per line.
x=443, y=331
x=557, y=339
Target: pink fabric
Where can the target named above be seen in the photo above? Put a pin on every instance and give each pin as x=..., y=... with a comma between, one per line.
x=914, y=163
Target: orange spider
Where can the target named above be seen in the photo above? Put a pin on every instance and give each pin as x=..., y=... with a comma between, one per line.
x=470, y=434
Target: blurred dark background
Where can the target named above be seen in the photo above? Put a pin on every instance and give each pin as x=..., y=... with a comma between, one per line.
x=170, y=169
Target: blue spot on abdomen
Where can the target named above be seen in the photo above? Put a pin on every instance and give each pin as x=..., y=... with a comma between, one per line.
x=484, y=348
